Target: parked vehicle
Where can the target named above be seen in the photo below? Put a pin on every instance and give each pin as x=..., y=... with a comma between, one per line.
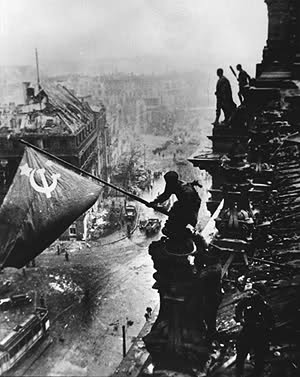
x=15, y=300
x=5, y=287
x=152, y=227
x=23, y=337
x=5, y=303
x=130, y=212
x=142, y=224
x=21, y=299
x=181, y=161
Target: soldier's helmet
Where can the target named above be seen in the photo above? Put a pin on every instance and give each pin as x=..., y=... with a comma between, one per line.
x=171, y=177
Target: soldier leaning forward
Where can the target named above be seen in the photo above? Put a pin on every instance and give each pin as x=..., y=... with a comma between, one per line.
x=185, y=209
x=257, y=319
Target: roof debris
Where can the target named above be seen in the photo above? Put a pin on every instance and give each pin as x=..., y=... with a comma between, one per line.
x=54, y=109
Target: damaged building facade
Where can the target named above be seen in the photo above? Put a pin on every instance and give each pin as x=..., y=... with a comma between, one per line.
x=52, y=118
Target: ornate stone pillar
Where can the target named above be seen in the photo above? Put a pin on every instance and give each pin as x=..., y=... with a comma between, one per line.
x=190, y=293
x=298, y=27
x=281, y=55
x=281, y=32
x=297, y=21
x=235, y=222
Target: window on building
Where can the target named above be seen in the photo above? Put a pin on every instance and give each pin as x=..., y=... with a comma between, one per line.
x=47, y=143
x=72, y=230
x=64, y=143
x=2, y=178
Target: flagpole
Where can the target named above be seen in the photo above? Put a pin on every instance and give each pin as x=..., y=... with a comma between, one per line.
x=132, y=196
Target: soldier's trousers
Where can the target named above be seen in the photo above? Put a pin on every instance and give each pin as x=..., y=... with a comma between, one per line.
x=227, y=108
x=255, y=340
x=182, y=214
x=243, y=91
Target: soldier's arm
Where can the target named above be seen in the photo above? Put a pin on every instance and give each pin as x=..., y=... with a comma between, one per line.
x=196, y=183
x=248, y=77
x=218, y=89
x=163, y=197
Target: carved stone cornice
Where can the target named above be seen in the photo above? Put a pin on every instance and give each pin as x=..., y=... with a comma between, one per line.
x=282, y=31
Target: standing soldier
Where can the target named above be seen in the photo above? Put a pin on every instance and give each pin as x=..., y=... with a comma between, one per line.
x=244, y=82
x=257, y=319
x=224, y=98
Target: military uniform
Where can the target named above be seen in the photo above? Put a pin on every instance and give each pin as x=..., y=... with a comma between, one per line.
x=244, y=81
x=224, y=99
x=185, y=210
x=258, y=320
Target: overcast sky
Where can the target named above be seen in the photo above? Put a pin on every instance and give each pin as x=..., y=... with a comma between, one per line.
x=185, y=32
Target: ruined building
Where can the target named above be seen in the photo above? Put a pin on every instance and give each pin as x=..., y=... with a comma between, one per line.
x=53, y=119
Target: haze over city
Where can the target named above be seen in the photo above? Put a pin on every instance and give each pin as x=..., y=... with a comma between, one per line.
x=149, y=188
x=141, y=36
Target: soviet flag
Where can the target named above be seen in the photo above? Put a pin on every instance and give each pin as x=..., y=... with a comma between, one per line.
x=43, y=200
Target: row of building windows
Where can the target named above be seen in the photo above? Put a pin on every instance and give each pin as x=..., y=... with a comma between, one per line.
x=92, y=147
x=85, y=132
x=49, y=143
x=64, y=143
x=6, y=144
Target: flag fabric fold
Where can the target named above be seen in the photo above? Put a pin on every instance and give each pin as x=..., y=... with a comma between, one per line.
x=44, y=199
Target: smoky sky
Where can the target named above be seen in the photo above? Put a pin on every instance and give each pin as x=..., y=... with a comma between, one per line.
x=184, y=32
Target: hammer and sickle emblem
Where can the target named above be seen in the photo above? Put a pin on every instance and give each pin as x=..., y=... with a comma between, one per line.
x=45, y=188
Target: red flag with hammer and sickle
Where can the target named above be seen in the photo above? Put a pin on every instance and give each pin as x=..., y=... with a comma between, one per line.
x=44, y=199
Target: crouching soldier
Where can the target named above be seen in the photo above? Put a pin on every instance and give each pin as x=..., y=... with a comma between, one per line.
x=257, y=319
x=185, y=210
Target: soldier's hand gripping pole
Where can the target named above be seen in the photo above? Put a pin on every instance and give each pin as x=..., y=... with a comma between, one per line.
x=81, y=171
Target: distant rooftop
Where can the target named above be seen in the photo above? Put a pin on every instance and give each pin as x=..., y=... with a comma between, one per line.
x=53, y=109
x=73, y=112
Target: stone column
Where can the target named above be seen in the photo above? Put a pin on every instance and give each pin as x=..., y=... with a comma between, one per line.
x=190, y=294
x=281, y=32
x=297, y=22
